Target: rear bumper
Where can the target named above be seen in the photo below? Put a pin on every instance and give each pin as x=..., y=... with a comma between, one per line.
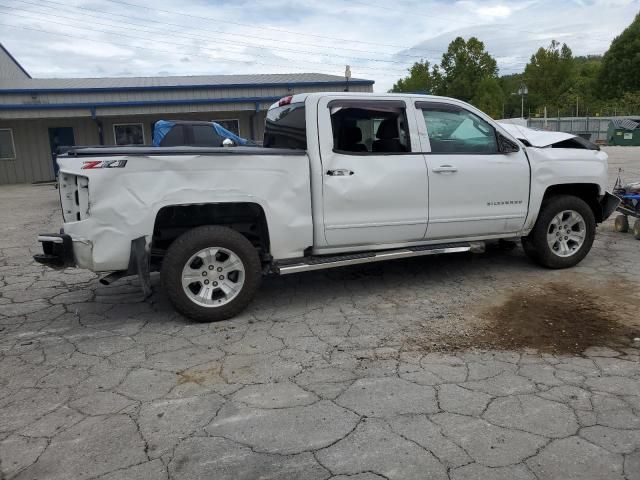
x=609, y=203
x=57, y=250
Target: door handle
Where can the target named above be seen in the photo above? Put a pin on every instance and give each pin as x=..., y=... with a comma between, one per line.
x=445, y=169
x=340, y=172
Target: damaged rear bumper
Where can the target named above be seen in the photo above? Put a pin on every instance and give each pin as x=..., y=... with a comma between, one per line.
x=609, y=202
x=57, y=250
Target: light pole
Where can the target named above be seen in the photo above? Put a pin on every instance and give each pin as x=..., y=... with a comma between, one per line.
x=522, y=91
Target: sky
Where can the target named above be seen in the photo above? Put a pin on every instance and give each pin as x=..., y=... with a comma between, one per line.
x=379, y=39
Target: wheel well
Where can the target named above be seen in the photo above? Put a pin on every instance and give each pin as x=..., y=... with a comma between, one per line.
x=588, y=192
x=247, y=218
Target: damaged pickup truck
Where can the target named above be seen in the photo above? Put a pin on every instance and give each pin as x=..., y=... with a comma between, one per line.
x=342, y=179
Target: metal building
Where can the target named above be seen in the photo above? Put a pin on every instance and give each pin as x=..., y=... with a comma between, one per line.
x=37, y=115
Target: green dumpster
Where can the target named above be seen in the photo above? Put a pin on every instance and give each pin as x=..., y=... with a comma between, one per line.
x=624, y=132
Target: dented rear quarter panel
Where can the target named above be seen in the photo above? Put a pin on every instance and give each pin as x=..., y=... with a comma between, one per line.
x=124, y=202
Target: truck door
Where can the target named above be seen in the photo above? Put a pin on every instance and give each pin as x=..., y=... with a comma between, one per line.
x=374, y=176
x=475, y=190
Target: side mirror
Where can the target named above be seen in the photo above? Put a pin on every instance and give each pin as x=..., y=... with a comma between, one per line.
x=227, y=142
x=506, y=145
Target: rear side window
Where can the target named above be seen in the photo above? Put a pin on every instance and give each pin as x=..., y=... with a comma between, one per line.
x=205, y=136
x=286, y=127
x=454, y=130
x=373, y=127
x=175, y=137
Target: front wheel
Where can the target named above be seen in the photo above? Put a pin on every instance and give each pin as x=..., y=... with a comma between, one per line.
x=563, y=234
x=211, y=273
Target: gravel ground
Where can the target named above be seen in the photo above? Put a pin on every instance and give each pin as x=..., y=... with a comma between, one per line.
x=457, y=367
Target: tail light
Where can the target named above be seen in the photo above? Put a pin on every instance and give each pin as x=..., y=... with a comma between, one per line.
x=285, y=100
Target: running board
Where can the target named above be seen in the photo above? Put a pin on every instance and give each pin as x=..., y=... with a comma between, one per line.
x=334, y=261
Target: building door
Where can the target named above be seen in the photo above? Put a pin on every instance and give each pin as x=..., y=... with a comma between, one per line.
x=59, y=137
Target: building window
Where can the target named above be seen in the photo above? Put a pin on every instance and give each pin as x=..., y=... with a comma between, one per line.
x=232, y=125
x=7, y=146
x=128, y=133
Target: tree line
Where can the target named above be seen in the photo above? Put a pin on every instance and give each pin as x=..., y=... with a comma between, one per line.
x=556, y=80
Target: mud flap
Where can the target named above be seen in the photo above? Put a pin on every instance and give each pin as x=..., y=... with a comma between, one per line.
x=139, y=264
x=609, y=203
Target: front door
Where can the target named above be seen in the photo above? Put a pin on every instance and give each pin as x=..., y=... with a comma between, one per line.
x=59, y=137
x=474, y=190
x=374, y=185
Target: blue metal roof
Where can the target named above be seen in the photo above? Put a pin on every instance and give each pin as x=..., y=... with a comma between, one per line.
x=93, y=105
x=126, y=84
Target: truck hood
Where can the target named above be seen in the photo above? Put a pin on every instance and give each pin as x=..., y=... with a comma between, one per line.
x=542, y=138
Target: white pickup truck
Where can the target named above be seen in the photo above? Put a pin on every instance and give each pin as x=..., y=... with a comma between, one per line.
x=342, y=179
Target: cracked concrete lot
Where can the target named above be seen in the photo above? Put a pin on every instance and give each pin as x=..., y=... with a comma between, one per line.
x=320, y=379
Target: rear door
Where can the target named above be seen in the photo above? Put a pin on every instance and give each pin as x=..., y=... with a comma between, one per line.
x=474, y=189
x=374, y=175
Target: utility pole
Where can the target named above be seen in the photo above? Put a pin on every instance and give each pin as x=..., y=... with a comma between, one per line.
x=577, y=103
x=522, y=91
x=347, y=76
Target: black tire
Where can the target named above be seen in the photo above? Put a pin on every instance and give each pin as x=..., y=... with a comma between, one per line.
x=536, y=245
x=191, y=242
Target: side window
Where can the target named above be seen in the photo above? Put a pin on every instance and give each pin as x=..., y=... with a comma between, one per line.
x=205, y=136
x=369, y=127
x=454, y=130
x=175, y=137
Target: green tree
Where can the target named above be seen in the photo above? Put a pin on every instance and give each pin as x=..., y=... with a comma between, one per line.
x=620, y=71
x=549, y=75
x=489, y=97
x=421, y=78
x=464, y=65
x=510, y=84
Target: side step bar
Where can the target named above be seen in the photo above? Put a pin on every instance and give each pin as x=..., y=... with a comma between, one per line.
x=323, y=262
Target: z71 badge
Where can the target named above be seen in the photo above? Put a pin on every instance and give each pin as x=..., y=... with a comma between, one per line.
x=103, y=164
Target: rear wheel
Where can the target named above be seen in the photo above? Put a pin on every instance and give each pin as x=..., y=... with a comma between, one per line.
x=563, y=234
x=211, y=273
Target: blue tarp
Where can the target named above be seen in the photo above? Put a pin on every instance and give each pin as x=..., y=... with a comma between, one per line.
x=224, y=133
x=160, y=130
x=162, y=127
